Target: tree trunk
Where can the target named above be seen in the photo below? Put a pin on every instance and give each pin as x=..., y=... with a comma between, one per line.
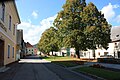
x=94, y=53
x=52, y=52
x=77, y=53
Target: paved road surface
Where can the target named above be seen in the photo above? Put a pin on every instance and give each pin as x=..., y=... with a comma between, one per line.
x=34, y=68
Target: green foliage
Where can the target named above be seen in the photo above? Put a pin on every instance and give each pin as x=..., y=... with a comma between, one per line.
x=96, y=28
x=48, y=41
x=79, y=26
x=106, y=74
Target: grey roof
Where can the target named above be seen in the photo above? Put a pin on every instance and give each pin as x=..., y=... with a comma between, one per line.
x=115, y=33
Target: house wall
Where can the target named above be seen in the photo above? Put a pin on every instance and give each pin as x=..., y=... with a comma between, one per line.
x=7, y=42
x=57, y=53
x=114, y=49
x=30, y=51
x=111, y=49
x=6, y=34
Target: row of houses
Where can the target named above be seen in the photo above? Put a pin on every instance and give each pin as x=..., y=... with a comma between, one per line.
x=112, y=51
x=12, y=45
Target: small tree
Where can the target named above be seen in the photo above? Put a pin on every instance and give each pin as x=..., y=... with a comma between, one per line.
x=48, y=41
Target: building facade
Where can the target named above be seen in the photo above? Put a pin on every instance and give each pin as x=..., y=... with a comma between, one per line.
x=21, y=45
x=9, y=19
x=30, y=49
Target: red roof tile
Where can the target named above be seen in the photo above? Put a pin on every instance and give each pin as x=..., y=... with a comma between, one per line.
x=28, y=45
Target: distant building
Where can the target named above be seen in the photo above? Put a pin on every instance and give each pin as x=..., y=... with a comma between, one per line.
x=9, y=19
x=30, y=49
x=35, y=49
x=113, y=47
x=21, y=45
x=19, y=41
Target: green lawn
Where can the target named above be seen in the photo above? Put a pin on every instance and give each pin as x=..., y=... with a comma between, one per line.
x=106, y=74
x=58, y=58
x=64, y=61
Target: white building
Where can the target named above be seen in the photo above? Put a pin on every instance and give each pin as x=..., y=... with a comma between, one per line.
x=30, y=49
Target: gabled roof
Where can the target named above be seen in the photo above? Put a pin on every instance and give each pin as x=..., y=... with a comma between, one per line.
x=28, y=45
x=116, y=41
x=115, y=33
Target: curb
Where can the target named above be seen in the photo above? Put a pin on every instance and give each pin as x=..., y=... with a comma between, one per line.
x=77, y=73
x=91, y=75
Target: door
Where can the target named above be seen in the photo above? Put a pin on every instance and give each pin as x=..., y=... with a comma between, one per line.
x=1, y=53
x=118, y=54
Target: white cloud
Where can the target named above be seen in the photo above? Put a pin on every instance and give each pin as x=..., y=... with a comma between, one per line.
x=32, y=33
x=108, y=11
x=35, y=14
x=118, y=19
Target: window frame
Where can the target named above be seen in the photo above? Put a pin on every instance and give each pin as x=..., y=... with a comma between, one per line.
x=3, y=12
x=10, y=22
x=14, y=29
x=13, y=52
x=8, y=51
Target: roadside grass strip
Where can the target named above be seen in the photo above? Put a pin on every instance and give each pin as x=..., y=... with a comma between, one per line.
x=106, y=74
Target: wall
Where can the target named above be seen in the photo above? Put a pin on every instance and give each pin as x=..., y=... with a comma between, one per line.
x=7, y=34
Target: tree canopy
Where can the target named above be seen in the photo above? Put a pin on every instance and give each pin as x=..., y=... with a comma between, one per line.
x=82, y=26
x=79, y=26
x=48, y=41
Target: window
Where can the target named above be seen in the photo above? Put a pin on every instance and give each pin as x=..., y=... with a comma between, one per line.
x=14, y=29
x=3, y=11
x=10, y=21
x=8, y=51
x=13, y=52
x=105, y=53
x=84, y=54
x=99, y=53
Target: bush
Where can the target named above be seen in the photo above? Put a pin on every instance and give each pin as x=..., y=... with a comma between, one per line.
x=109, y=60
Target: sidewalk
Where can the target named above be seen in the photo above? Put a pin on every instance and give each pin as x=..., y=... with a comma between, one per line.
x=114, y=66
x=9, y=74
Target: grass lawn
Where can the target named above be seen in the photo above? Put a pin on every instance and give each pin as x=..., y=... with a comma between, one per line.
x=64, y=61
x=106, y=74
x=58, y=58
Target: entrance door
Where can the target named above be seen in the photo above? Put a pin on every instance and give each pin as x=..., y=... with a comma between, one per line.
x=1, y=53
x=118, y=54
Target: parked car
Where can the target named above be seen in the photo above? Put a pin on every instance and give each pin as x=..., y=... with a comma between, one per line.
x=106, y=56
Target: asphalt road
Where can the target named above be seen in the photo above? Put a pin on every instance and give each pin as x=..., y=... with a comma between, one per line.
x=34, y=68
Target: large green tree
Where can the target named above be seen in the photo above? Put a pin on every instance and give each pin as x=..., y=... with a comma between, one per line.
x=82, y=27
x=69, y=25
x=48, y=41
x=96, y=28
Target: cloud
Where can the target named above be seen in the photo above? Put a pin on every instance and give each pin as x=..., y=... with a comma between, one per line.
x=35, y=14
x=108, y=11
x=32, y=33
x=117, y=19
